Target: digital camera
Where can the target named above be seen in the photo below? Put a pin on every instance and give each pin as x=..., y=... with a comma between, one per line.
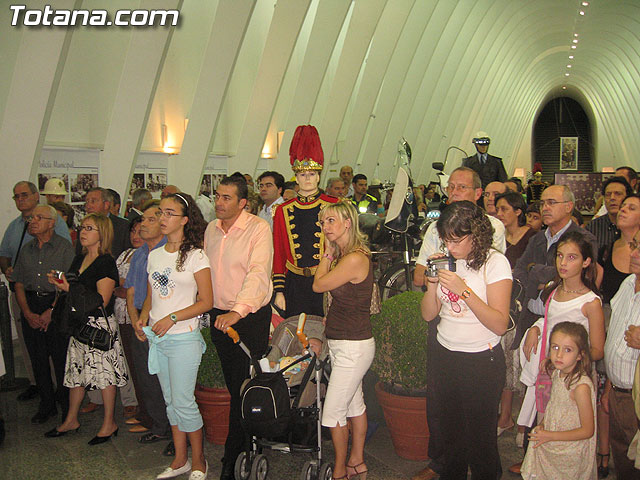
x=443, y=263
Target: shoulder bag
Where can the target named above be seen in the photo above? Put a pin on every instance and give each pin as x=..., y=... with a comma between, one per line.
x=96, y=337
x=543, y=381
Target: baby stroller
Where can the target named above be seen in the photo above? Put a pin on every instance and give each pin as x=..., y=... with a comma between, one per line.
x=282, y=401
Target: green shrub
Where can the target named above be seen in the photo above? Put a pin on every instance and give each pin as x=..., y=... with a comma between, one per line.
x=401, y=344
x=210, y=371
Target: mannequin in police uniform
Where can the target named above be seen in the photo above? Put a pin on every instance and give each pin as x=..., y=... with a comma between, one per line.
x=489, y=168
x=298, y=241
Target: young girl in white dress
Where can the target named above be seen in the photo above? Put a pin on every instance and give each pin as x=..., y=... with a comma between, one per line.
x=563, y=445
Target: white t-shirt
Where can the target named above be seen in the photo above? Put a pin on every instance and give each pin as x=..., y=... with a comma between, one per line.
x=459, y=329
x=173, y=290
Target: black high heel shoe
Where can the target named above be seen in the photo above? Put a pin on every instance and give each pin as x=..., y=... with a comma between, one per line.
x=55, y=433
x=98, y=440
x=603, y=471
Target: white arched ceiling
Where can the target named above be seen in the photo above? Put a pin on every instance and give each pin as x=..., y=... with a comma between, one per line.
x=365, y=72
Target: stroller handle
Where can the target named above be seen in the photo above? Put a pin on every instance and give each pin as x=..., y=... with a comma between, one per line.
x=304, y=341
x=233, y=335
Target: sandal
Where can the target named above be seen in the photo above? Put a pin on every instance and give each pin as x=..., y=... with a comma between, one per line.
x=361, y=475
x=603, y=471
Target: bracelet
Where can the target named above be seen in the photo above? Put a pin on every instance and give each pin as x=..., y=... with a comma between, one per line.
x=329, y=257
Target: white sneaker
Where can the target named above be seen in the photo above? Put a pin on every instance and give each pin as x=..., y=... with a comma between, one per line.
x=170, y=472
x=198, y=475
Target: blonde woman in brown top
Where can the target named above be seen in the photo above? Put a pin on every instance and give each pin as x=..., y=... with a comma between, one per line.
x=345, y=271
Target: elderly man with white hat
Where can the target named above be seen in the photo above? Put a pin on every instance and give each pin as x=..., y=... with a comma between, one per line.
x=489, y=168
x=55, y=191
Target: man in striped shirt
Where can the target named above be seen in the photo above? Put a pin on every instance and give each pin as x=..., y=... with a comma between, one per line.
x=621, y=352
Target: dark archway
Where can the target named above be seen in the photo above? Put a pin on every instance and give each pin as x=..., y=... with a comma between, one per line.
x=561, y=117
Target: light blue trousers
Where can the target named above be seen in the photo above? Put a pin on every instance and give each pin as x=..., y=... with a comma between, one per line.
x=175, y=359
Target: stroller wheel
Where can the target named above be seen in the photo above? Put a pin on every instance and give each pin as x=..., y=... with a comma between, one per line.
x=309, y=471
x=242, y=470
x=325, y=472
x=259, y=467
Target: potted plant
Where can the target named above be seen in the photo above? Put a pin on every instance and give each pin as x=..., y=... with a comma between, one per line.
x=212, y=395
x=400, y=363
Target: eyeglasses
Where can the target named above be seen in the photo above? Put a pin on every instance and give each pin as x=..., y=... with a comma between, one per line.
x=88, y=228
x=453, y=187
x=455, y=241
x=22, y=195
x=551, y=202
x=40, y=217
x=168, y=214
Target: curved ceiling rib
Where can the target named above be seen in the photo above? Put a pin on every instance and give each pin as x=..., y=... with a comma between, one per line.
x=365, y=72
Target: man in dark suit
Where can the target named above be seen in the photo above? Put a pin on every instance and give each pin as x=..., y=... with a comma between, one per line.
x=489, y=168
x=99, y=200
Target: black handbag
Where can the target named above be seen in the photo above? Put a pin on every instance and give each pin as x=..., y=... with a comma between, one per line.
x=96, y=337
x=71, y=308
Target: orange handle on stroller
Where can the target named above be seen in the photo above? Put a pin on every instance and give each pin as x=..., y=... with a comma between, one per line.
x=233, y=334
x=304, y=341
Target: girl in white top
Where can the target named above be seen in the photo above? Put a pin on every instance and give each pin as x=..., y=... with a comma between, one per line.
x=473, y=304
x=575, y=299
x=179, y=290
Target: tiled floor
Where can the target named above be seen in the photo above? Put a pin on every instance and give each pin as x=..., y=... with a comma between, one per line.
x=26, y=454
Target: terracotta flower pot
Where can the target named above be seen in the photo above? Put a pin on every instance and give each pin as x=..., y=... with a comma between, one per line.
x=406, y=419
x=214, y=408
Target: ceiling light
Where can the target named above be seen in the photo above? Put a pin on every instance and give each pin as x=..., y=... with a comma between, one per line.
x=569, y=66
x=585, y=4
x=570, y=57
x=575, y=40
x=564, y=87
x=575, y=34
x=573, y=47
x=566, y=74
x=581, y=12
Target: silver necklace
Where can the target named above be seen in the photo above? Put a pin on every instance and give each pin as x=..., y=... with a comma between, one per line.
x=571, y=291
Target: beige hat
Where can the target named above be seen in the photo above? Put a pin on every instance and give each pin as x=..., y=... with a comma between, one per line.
x=54, y=186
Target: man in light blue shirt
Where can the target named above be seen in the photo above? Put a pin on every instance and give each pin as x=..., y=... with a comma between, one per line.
x=26, y=197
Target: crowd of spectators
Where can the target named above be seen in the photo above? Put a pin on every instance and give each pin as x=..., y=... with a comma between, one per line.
x=541, y=255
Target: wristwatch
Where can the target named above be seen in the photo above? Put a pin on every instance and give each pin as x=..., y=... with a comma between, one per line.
x=173, y=318
x=466, y=293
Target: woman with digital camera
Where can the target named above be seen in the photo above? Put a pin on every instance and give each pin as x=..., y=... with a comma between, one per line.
x=473, y=305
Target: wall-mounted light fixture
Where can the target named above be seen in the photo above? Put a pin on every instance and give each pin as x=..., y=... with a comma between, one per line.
x=519, y=172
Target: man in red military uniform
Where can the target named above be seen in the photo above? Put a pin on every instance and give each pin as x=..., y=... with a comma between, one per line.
x=298, y=241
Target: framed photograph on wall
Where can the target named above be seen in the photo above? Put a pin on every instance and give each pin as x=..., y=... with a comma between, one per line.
x=568, y=153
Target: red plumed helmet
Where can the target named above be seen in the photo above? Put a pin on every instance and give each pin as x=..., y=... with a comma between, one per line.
x=306, y=150
x=537, y=168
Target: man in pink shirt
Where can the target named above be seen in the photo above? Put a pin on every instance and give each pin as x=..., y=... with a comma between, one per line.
x=240, y=249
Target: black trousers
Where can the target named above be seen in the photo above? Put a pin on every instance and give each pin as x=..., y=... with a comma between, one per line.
x=148, y=391
x=434, y=412
x=41, y=345
x=468, y=394
x=300, y=297
x=254, y=333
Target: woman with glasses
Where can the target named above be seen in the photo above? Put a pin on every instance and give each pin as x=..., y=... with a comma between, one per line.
x=89, y=368
x=473, y=306
x=179, y=290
